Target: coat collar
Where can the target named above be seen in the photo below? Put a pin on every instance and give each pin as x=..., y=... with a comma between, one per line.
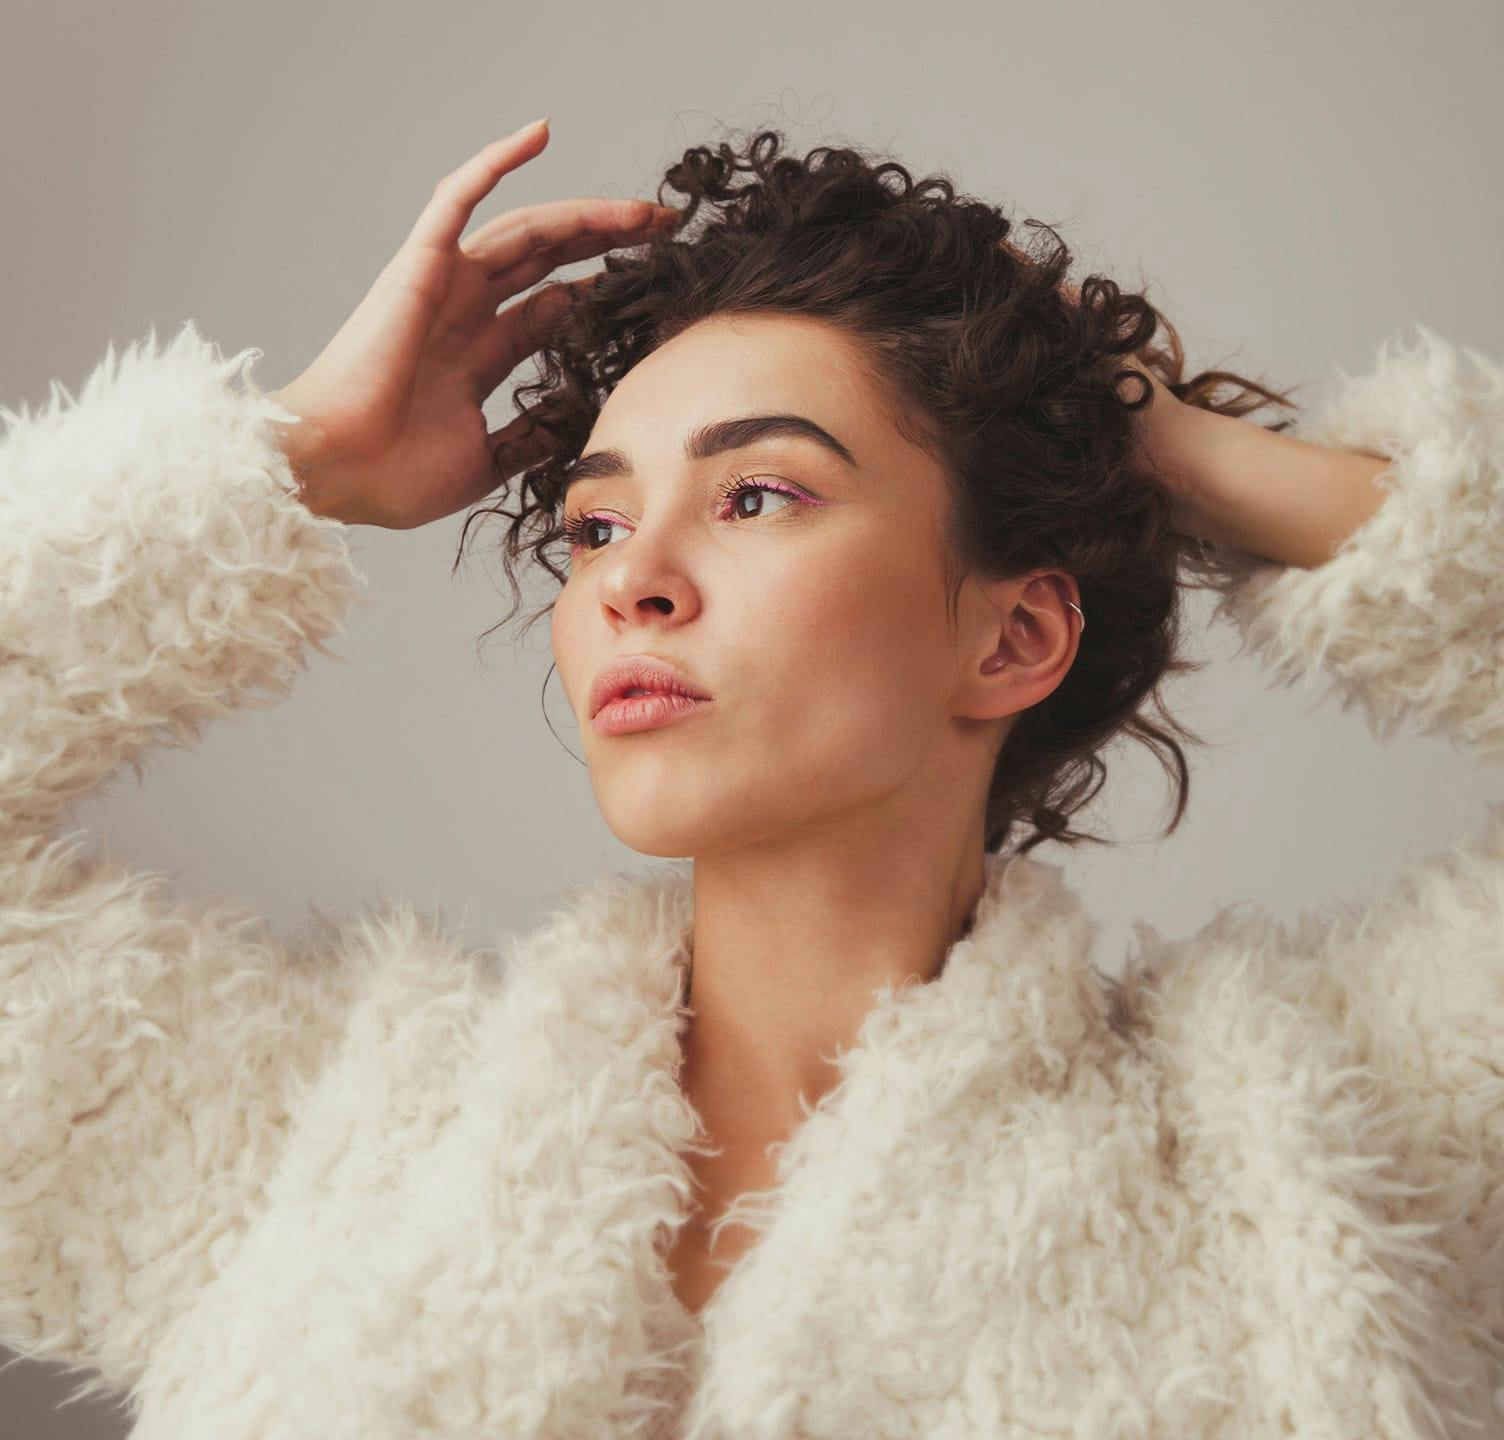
x=869, y=1211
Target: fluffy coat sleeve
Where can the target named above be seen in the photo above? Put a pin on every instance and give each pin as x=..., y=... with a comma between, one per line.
x=1406, y=622
x=156, y=570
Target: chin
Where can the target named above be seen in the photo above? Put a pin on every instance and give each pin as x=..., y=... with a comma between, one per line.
x=670, y=836
x=652, y=828
x=665, y=842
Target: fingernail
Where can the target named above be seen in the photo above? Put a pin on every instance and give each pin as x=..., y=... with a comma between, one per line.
x=534, y=125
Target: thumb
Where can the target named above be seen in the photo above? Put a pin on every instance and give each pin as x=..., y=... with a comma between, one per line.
x=517, y=445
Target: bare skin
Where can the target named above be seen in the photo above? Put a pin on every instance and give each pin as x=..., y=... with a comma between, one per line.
x=391, y=430
x=821, y=633
x=832, y=792
x=697, y=1267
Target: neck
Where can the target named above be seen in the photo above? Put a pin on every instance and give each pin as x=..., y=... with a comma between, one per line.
x=788, y=951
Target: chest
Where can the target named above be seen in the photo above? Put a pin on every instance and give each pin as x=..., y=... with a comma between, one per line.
x=1052, y=1247
x=701, y=1256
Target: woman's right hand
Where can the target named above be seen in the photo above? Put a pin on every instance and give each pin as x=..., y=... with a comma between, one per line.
x=392, y=431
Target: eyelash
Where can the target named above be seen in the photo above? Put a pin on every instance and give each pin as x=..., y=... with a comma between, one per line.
x=730, y=490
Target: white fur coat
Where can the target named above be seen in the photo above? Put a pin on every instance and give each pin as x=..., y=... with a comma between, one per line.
x=370, y=1184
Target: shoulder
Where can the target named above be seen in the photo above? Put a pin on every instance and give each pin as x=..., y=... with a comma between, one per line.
x=1242, y=995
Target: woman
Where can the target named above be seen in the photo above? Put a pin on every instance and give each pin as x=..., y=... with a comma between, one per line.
x=828, y=1127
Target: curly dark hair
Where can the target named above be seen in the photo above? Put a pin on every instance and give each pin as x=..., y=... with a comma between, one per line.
x=987, y=366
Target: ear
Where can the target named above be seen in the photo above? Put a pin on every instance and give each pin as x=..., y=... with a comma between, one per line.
x=1020, y=641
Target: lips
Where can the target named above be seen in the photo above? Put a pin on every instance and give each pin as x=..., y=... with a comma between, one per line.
x=642, y=672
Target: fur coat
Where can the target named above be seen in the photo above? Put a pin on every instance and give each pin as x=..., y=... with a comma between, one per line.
x=367, y=1182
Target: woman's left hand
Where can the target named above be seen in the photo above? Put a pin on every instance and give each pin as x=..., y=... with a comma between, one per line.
x=1174, y=440
x=1168, y=431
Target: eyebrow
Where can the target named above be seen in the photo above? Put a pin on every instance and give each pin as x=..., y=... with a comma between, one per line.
x=716, y=438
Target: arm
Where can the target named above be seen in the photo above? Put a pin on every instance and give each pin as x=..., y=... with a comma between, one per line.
x=1365, y=549
x=1386, y=578
x=156, y=570
x=159, y=570
x=1276, y=498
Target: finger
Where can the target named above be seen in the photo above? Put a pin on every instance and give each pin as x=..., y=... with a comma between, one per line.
x=535, y=268
x=455, y=197
x=553, y=220
x=509, y=239
x=518, y=331
x=516, y=446
x=510, y=450
x=532, y=268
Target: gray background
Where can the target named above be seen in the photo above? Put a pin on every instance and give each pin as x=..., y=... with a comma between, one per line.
x=1292, y=182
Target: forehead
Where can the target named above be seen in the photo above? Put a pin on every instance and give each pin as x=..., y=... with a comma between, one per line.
x=735, y=365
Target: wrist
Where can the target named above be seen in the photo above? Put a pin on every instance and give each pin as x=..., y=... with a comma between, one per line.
x=306, y=447
x=1270, y=494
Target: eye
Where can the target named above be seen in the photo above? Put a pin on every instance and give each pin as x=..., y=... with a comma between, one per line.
x=575, y=529
x=733, y=489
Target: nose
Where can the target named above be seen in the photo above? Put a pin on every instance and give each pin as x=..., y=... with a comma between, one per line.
x=648, y=581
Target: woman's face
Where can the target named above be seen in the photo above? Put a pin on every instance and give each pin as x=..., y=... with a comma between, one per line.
x=815, y=619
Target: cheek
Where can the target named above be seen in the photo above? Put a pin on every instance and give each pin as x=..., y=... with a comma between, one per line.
x=856, y=645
